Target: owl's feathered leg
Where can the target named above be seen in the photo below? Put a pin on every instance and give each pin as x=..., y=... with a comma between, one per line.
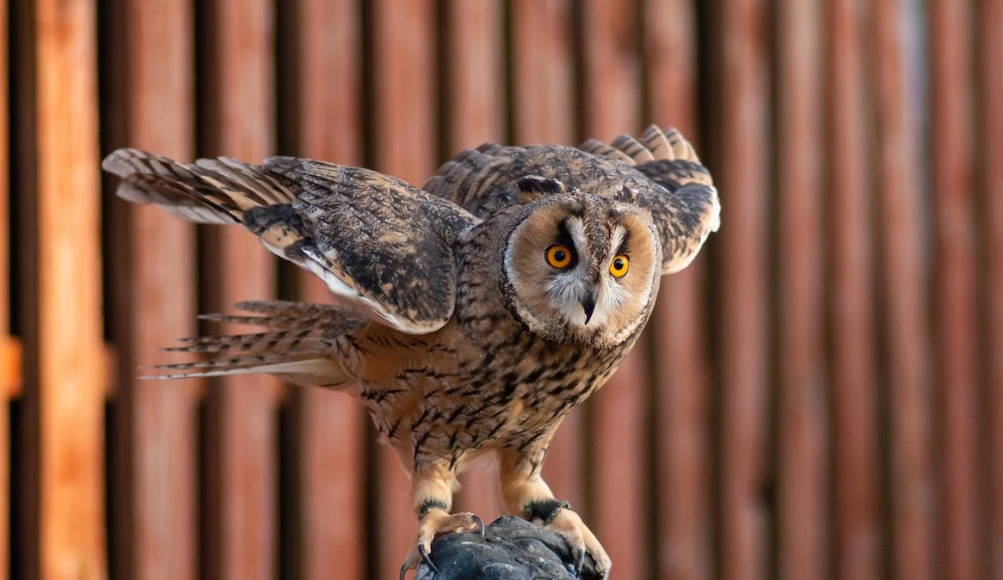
x=432, y=492
x=525, y=494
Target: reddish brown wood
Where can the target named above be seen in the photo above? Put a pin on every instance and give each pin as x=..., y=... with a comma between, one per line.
x=331, y=519
x=991, y=51
x=682, y=538
x=955, y=248
x=10, y=363
x=70, y=398
x=476, y=114
x=619, y=456
x=542, y=71
x=405, y=145
x=854, y=384
x=742, y=82
x=803, y=415
x=543, y=111
x=243, y=408
x=161, y=444
x=903, y=300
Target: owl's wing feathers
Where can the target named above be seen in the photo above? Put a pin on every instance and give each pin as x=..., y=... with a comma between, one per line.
x=691, y=210
x=216, y=191
x=683, y=203
x=376, y=240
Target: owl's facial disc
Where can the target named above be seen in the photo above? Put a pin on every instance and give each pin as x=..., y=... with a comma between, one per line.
x=584, y=270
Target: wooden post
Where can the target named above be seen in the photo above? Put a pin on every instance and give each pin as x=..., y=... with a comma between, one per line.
x=159, y=540
x=619, y=419
x=951, y=156
x=544, y=113
x=677, y=328
x=802, y=413
x=904, y=299
x=404, y=145
x=742, y=82
x=242, y=456
x=70, y=397
x=991, y=52
x=476, y=115
x=331, y=428
x=854, y=384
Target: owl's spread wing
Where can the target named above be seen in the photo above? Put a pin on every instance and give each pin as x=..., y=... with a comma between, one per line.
x=376, y=241
x=686, y=208
x=660, y=168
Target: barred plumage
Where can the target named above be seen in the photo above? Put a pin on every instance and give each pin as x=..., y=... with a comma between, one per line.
x=474, y=313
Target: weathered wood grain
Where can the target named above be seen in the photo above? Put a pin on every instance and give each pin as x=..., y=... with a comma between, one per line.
x=159, y=418
x=741, y=80
x=70, y=397
x=803, y=410
x=904, y=297
x=952, y=157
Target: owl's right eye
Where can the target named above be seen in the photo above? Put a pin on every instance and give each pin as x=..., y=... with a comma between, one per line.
x=559, y=256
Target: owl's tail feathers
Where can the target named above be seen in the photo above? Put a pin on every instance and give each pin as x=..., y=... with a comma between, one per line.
x=207, y=191
x=299, y=345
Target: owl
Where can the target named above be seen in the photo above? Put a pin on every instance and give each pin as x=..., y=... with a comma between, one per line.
x=468, y=316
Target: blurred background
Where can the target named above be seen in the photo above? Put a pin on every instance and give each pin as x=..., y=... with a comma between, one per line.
x=819, y=396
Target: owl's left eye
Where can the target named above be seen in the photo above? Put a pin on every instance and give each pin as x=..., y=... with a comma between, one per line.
x=618, y=267
x=559, y=256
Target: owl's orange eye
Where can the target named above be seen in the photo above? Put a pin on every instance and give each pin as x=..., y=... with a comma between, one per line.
x=618, y=267
x=559, y=256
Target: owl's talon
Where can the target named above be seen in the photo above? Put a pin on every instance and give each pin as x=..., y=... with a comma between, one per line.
x=579, y=561
x=434, y=523
x=428, y=560
x=480, y=524
x=581, y=540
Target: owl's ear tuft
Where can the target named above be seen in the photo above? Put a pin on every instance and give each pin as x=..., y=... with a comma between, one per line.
x=533, y=187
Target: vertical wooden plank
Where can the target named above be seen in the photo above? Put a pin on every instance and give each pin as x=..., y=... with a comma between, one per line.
x=243, y=407
x=682, y=429
x=854, y=384
x=954, y=233
x=542, y=77
x=70, y=397
x=6, y=390
x=743, y=83
x=619, y=457
x=474, y=53
x=331, y=429
x=991, y=51
x=161, y=420
x=802, y=533
x=405, y=145
x=903, y=299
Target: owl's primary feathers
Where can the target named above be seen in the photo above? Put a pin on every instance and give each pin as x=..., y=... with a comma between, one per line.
x=474, y=313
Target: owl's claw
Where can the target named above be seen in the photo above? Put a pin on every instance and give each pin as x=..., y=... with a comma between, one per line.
x=581, y=540
x=480, y=524
x=424, y=556
x=435, y=523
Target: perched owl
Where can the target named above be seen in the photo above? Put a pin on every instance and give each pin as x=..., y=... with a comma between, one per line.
x=471, y=315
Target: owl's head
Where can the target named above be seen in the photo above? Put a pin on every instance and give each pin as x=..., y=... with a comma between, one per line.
x=581, y=266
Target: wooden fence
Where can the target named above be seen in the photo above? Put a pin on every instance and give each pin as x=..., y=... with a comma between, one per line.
x=819, y=396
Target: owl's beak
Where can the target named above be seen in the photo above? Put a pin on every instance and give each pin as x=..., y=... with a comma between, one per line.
x=589, y=305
